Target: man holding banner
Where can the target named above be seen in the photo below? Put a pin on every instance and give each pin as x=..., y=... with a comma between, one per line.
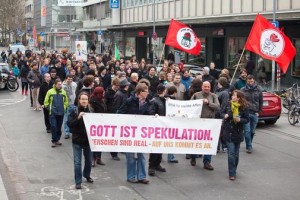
x=210, y=106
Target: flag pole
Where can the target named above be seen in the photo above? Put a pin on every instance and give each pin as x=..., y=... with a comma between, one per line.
x=161, y=54
x=237, y=66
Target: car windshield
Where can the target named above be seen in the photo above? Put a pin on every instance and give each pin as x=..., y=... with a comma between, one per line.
x=16, y=47
x=4, y=68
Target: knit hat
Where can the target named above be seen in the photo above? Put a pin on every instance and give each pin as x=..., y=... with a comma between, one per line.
x=124, y=82
x=223, y=81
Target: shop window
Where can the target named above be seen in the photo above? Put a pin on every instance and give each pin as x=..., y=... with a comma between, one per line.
x=296, y=63
x=130, y=46
x=235, y=49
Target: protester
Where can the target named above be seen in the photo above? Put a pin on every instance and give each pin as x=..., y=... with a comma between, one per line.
x=213, y=72
x=179, y=86
x=255, y=99
x=241, y=81
x=235, y=116
x=80, y=141
x=35, y=80
x=25, y=69
x=210, y=107
x=56, y=101
x=136, y=105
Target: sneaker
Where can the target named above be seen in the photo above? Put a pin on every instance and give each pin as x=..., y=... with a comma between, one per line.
x=160, y=169
x=39, y=109
x=48, y=130
x=35, y=109
x=249, y=151
x=116, y=158
x=232, y=178
x=89, y=180
x=208, y=166
x=224, y=150
x=99, y=162
x=78, y=186
x=151, y=172
x=67, y=137
x=53, y=144
x=132, y=181
x=144, y=181
x=58, y=143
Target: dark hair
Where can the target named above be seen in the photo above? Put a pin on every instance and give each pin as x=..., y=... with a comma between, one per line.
x=82, y=93
x=57, y=80
x=171, y=90
x=243, y=102
x=243, y=70
x=151, y=68
x=196, y=86
x=88, y=80
x=69, y=76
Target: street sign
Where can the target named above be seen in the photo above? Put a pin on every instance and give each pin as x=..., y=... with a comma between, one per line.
x=275, y=23
x=31, y=42
x=42, y=34
x=100, y=32
x=114, y=4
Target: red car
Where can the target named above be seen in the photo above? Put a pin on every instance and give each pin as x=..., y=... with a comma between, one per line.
x=271, y=108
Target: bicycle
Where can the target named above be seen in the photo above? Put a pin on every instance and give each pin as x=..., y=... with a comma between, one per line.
x=294, y=113
x=288, y=97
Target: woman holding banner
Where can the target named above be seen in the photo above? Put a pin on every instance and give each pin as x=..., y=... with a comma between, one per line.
x=80, y=140
x=235, y=116
x=136, y=104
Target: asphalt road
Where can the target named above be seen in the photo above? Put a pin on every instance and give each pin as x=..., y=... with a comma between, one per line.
x=32, y=170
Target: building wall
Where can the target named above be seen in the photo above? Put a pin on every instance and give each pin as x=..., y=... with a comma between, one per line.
x=214, y=10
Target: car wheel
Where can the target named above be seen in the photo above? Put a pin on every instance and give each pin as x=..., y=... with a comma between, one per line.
x=270, y=121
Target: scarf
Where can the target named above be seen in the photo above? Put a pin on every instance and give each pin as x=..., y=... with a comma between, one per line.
x=235, y=108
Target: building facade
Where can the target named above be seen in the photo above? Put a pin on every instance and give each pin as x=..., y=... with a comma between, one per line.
x=222, y=26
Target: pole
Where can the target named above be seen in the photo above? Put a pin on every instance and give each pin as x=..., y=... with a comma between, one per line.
x=273, y=62
x=100, y=51
x=237, y=66
x=153, y=46
x=161, y=55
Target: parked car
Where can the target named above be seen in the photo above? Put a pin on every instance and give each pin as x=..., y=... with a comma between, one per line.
x=15, y=47
x=271, y=108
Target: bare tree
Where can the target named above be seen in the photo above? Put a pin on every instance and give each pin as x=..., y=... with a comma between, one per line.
x=12, y=15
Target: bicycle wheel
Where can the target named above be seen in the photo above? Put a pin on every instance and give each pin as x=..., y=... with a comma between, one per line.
x=292, y=116
x=285, y=105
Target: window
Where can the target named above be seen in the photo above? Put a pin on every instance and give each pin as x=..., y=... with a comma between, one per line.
x=296, y=63
x=199, y=60
x=130, y=46
x=235, y=49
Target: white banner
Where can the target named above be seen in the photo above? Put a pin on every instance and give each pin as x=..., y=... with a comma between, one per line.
x=149, y=134
x=70, y=2
x=81, y=50
x=188, y=109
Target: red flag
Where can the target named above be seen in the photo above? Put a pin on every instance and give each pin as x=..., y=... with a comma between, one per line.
x=270, y=43
x=182, y=37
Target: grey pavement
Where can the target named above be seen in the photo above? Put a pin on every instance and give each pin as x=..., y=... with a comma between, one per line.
x=33, y=170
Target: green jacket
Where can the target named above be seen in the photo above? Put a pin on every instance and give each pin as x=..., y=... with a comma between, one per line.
x=56, y=101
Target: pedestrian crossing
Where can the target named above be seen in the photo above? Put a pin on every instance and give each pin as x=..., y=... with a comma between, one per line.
x=7, y=102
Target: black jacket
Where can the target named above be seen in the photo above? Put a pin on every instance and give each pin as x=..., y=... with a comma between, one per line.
x=223, y=97
x=98, y=106
x=43, y=91
x=233, y=132
x=119, y=98
x=131, y=106
x=109, y=99
x=77, y=127
x=153, y=83
x=210, y=79
x=158, y=106
x=106, y=80
x=254, y=97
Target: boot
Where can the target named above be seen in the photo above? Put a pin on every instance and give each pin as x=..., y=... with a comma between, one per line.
x=99, y=161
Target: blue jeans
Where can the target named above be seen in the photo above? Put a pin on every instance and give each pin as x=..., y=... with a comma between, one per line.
x=171, y=157
x=136, y=168
x=77, y=152
x=56, y=122
x=206, y=158
x=233, y=150
x=249, y=130
x=66, y=127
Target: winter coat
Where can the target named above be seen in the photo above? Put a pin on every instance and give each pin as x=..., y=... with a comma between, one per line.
x=106, y=80
x=254, y=97
x=34, y=78
x=232, y=131
x=109, y=99
x=119, y=98
x=98, y=106
x=43, y=91
x=208, y=110
x=56, y=101
x=77, y=127
x=223, y=97
x=132, y=106
x=153, y=83
x=186, y=81
x=158, y=106
x=240, y=83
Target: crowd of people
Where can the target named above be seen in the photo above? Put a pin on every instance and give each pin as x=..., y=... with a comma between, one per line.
x=65, y=88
